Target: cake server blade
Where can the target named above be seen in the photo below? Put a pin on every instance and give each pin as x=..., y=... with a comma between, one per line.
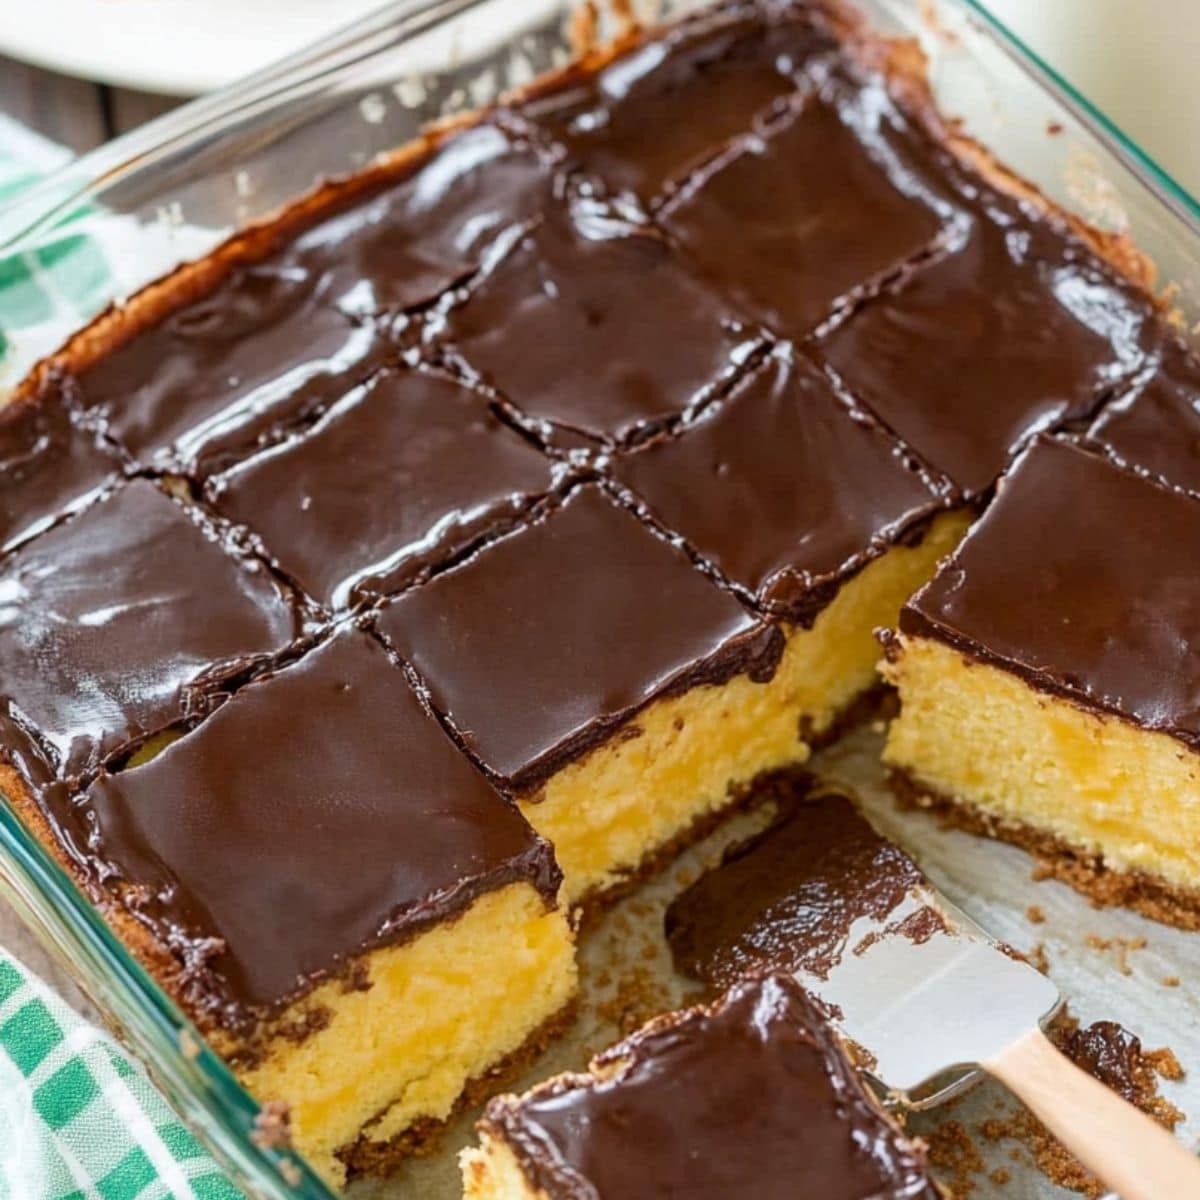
x=928, y=996
x=931, y=1001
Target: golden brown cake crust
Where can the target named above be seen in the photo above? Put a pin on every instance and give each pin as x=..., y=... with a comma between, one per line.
x=1086, y=872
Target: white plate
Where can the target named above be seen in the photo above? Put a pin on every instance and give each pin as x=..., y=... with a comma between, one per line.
x=177, y=47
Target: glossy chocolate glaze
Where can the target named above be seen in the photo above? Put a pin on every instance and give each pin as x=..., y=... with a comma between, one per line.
x=260, y=350
x=538, y=647
x=783, y=488
x=794, y=221
x=319, y=812
x=552, y=328
x=752, y=1097
x=634, y=123
x=433, y=469
x=1110, y=1053
x=1154, y=427
x=1079, y=579
x=113, y=623
x=1017, y=330
x=786, y=899
x=431, y=230
x=50, y=465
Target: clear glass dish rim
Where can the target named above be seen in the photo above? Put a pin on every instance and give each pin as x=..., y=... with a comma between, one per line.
x=1105, y=128
x=61, y=915
x=134, y=151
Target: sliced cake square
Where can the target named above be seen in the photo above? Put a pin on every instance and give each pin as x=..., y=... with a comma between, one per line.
x=51, y=465
x=435, y=220
x=1154, y=426
x=349, y=911
x=620, y=695
x=752, y=1096
x=441, y=471
x=1049, y=677
x=808, y=508
x=206, y=380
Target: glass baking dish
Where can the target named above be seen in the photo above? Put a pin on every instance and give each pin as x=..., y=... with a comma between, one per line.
x=176, y=188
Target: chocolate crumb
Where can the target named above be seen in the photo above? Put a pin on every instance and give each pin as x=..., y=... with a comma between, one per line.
x=1035, y=915
x=188, y=1046
x=1038, y=960
x=1122, y=946
x=272, y=1126
x=955, y=1156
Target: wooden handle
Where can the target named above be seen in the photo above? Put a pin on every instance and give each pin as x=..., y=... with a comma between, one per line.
x=1121, y=1146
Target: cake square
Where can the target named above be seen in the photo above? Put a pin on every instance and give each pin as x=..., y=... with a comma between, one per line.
x=1154, y=426
x=114, y=621
x=261, y=349
x=783, y=487
x=646, y=121
x=1049, y=676
x=51, y=465
x=1018, y=329
x=831, y=198
x=595, y=672
x=550, y=328
x=442, y=471
x=321, y=877
x=753, y=1095
x=812, y=512
x=431, y=228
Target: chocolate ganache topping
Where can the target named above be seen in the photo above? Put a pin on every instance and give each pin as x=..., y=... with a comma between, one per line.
x=1079, y=580
x=535, y=656
x=319, y=812
x=783, y=487
x=786, y=899
x=754, y=1095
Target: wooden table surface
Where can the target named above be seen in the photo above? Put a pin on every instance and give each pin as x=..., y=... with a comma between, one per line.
x=74, y=112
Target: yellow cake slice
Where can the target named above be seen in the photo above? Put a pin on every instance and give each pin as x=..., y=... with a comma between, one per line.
x=1049, y=680
x=354, y=918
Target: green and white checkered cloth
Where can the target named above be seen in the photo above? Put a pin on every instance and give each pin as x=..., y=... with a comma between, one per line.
x=46, y=292
x=78, y=1120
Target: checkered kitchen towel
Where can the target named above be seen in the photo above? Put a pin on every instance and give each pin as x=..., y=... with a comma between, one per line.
x=48, y=292
x=78, y=1120
x=44, y=293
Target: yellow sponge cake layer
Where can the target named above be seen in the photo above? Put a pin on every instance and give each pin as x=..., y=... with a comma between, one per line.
x=685, y=758
x=1047, y=680
x=422, y=1020
x=1033, y=764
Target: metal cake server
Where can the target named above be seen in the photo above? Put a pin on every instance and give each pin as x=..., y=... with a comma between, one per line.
x=932, y=1001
